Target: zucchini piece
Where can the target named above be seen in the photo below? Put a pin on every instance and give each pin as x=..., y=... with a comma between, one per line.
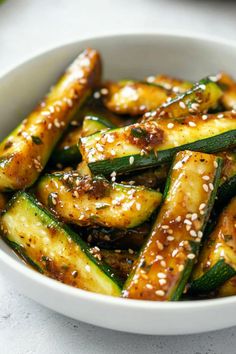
x=199, y=99
x=83, y=169
x=94, y=124
x=95, y=201
x=229, y=90
x=227, y=188
x=24, y=153
x=153, y=143
x=116, y=239
x=53, y=248
x=67, y=151
x=228, y=288
x=217, y=260
x=166, y=260
x=120, y=261
x=170, y=83
x=133, y=97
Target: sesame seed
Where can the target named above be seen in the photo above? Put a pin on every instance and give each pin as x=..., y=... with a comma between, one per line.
x=159, y=257
x=162, y=281
x=200, y=234
x=149, y=286
x=193, y=233
x=131, y=160
x=191, y=256
x=188, y=216
x=204, y=116
x=87, y=267
x=181, y=267
x=206, y=178
x=194, y=106
x=160, y=292
x=160, y=245
x=178, y=219
x=202, y=206
x=170, y=125
x=165, y=227
x=194, y=216
x=170, y=238
x=211, y=186
x=192, y=124
x=113, y=174
x=215, y=164
x=163, y=263
x=202, y=86
x=188, y=222
x=174, y=253
x=130, y=251
x=220, y=115
x=205, y=187
x=182, y=105
x=138, y=206
x=104, y=91
x=96, y=95
x=188, y=227
x=150, y=79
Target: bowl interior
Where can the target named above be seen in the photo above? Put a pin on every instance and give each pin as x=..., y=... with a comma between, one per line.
x=125, y=56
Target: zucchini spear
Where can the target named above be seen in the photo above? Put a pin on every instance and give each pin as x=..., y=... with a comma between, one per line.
x=95, y=201
x=166, y=260
x=52, y=248
x=217, y=260
x=24, y=153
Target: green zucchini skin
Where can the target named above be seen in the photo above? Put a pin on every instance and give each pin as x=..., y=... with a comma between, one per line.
x=175, y=239
x=217, y=260
x=226, y=191
x=212, y=279
x=122, y=164
x=25, y=152
x=53, y=248
x=96, y=201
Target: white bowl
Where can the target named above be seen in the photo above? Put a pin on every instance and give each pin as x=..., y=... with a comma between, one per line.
x=124, y=56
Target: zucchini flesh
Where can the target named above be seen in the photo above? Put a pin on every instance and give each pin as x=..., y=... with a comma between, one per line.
x=94, y=124
x=95, y=201
x=199, y=99
x=166, y=260
x=52, y=248
x=3, y=201
x=170, y=83
x=24, y=153
x=229, y=90
x=133, y=97
x=153, y=143
x=217, y=260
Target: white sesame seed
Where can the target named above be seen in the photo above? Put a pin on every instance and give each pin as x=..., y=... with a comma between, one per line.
x=87, y=267
x=150, y=79
x=195, y=106
x=215, y=164
x=161, y=275
x=96, y=95
x=163, y=263
x=193, y=233
x=191, y=256
x=188, y=222
x=200, y=234
x=202, y=86
x=160, y=245
x=205, y=187
x=194, y=216
x=188, y=227
x=202, y=206
x=113, y=174
x=192, y=124
x=138, y=206
x=159, y=257
x=206, y=178
x=174, y=253
x=204, y=116
x=211, y=186
x=182, y=105
x=165, y=227
x=131, y=160
x=160, y=293
x=149, y=286
x=181, y=267
x=220, y=115
x=130, y=251
x=178, y=219
x=188, y=216
x=104, y=91
x=170, y=238
x=162, y=281
x=170, y=125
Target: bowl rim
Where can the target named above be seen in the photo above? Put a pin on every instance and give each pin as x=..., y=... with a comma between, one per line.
x=81, y=294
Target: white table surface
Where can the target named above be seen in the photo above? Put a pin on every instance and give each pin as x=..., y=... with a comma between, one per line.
x=30, y=26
